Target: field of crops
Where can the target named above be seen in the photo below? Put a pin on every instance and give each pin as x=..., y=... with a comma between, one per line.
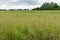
x=30, y=25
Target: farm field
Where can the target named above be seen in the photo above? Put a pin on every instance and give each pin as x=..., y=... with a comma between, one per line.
x=30, y=25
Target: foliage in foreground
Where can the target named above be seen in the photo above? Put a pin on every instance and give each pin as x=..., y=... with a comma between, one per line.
x=29, y=25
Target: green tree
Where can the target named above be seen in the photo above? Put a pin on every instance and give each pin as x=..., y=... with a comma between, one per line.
x=53, y=5
x=44, y=6
x=48, y=6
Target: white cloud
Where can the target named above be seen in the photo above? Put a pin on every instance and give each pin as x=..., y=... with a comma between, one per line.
x=28, y=4
x=13, y=0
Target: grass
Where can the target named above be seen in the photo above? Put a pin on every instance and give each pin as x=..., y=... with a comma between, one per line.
x=30, y=25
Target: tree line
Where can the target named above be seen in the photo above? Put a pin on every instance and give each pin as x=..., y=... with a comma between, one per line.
x=48, y=6
x=44, y=6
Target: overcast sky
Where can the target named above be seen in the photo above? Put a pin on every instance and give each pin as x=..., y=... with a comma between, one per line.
x=28, y=4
